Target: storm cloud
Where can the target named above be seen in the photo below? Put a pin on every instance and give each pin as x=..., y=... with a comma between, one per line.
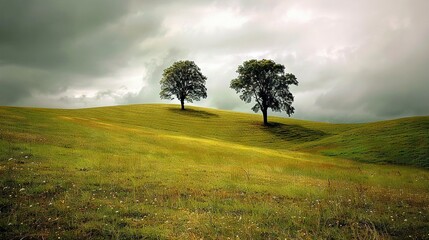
x=354, y=60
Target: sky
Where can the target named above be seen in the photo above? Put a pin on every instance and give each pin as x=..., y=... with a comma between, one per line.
x=355, y=61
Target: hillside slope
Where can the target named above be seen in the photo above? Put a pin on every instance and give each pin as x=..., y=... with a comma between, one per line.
x=155, y=172
x=402, y=141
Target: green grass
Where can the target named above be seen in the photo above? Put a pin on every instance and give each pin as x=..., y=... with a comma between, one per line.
x=155, y=172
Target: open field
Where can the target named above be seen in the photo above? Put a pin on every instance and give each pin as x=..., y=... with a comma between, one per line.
x=155, y=172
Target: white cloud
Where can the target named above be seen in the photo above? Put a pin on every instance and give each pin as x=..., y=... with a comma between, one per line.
x=298, y=15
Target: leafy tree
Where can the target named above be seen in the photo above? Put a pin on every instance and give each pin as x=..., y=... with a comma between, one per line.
x=184, y=81
x=267, y=83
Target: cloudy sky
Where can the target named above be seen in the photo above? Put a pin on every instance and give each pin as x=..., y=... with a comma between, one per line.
x=355, y=60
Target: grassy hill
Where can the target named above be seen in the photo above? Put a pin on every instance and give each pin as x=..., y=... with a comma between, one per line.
x=154, y=171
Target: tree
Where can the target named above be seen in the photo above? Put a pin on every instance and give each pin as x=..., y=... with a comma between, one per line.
x=184, y=81
x=267, y=83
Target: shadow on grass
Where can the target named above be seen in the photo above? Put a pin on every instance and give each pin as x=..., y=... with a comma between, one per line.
x=294, y=133
x=193, y=113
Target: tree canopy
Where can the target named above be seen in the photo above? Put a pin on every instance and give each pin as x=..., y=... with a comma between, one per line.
x=184, y=81
x=267, y=83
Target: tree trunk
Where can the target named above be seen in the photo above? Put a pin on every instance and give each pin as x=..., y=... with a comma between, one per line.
x=182, y=102
x=265, y=114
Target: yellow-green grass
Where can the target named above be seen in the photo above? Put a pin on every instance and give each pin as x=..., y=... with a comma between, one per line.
x=154, y=172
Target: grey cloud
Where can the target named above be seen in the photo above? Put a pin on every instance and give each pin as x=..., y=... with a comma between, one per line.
x=355, y=60
x=10, y=92
x=149, y=93
x=74, y=43
x=34, y=32
x=392, y=76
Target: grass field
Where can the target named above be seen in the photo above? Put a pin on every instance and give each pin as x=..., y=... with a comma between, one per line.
x=155, y=172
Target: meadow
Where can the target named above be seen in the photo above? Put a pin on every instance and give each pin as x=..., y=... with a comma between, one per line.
x=155, y=172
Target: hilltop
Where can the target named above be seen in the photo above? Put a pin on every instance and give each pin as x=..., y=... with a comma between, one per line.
x=154, y=171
